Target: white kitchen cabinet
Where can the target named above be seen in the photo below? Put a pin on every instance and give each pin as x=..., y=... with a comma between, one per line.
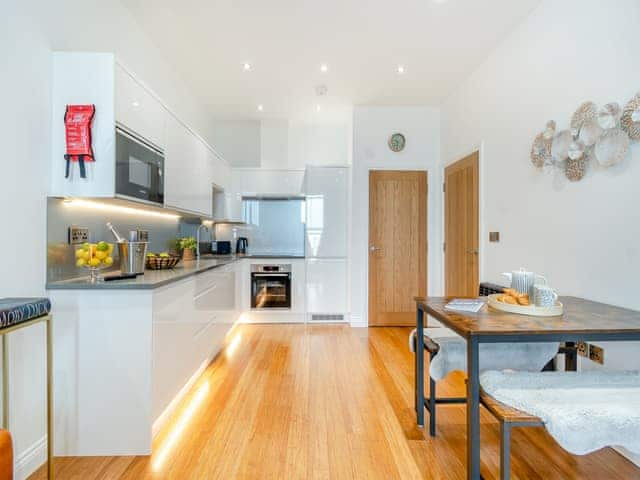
x=202, y=177
x=221, y=180
x=174, y=328
x=258, y=181
x=187, y=185
x=190, y=321
x=326, y=286
x=137, y=109
x=326, y=190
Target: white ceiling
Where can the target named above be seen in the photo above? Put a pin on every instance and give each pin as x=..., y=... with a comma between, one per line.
x=438, y=42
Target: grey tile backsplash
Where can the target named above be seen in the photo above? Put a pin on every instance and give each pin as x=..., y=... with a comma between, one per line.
x=60, y=216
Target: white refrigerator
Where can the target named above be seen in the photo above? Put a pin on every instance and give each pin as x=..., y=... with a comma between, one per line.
x=326, y=212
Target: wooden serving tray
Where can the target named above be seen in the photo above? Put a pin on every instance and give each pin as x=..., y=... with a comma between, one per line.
x=554, y=311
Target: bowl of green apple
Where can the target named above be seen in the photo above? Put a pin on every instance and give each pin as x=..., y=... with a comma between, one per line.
x=161, y=261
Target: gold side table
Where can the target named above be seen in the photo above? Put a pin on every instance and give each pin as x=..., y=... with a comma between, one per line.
x=5, y=382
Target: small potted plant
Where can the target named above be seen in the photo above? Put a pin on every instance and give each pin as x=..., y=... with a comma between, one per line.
x=188, y=247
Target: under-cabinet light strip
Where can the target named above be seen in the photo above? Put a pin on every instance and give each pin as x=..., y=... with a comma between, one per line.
x=75, y=202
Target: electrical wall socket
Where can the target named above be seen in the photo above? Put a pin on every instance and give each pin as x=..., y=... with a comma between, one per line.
x=583, y=349
x=78, y=235
x=596, y=354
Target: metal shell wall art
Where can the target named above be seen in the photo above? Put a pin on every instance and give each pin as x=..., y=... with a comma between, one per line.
x=611, y=147
x=602, y=134
x=560, y=146
x=630, y=120
x=576, y=169
x=585, y=112
x=541, y=148
x=576, y=150
x=590, y=133
x=608, y=115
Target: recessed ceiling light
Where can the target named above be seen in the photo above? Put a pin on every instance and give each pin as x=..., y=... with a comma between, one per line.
x=318, y=108
x=260, y=108
x=400, y=69
x=246, y=66
x=135, y=103
x=324, y=68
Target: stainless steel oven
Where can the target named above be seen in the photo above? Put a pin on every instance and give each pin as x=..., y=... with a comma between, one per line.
x=271, y=286
x=139, y=168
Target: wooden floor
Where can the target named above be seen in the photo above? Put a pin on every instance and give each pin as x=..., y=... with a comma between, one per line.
x=295, y=402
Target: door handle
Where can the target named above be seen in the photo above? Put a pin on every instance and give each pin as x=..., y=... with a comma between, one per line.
x=474, y=252
x=373, y=248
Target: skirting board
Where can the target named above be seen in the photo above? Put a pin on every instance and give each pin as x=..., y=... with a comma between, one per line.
x=31, y=459
x=357, y=321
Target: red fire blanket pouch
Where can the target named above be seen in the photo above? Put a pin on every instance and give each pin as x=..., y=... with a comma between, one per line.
x=77, y=122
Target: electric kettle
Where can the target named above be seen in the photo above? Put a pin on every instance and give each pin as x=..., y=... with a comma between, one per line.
x=241, y=246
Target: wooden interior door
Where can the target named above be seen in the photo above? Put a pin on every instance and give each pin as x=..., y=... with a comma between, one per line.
x=461, y=227
x=397, y=245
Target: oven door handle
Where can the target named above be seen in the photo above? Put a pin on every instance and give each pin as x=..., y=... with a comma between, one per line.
x=271, y=274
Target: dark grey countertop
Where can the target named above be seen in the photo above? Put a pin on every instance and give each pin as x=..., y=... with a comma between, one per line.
x=150, y=280
x=158, y=278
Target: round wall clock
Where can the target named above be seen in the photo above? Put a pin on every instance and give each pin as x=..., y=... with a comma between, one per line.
x=397, y=142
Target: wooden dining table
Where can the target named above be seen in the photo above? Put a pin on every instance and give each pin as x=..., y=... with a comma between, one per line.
x=582, y=320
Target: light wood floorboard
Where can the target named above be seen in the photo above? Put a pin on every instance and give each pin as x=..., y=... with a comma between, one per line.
x=327, y=402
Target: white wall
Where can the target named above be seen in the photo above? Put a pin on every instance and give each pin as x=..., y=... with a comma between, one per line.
x=24, y=134
x=29, y=31
x=582, y=236
x=372, y=127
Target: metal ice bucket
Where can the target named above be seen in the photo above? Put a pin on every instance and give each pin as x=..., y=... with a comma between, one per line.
x=132, y=256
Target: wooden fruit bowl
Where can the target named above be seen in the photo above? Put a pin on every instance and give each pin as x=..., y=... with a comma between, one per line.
x=162, y=263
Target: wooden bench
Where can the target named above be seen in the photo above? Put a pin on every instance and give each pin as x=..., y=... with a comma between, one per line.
x=508, y=417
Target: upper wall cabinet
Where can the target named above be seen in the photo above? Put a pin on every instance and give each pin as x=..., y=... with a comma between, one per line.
x=268, y=182
x=191, y=166
x=137, y=109
x=188, y=171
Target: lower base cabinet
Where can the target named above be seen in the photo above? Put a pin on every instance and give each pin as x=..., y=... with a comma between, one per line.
x=190, y=321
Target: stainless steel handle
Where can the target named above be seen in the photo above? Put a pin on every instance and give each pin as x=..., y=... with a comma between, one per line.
x=373, y=248
x=270, y=274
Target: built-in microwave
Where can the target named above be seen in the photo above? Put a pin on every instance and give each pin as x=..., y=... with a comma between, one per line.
x=139, y=168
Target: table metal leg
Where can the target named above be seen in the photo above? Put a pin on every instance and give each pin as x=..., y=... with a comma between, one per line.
x=505, y=451
x=570, y=357
x=473, y=409
x=48, y=326
x=419, y=367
